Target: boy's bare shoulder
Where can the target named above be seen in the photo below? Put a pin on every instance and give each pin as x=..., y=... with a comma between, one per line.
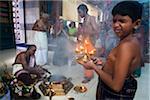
x=129, y=44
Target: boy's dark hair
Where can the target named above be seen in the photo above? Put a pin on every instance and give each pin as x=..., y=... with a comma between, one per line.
x=30, y=46
x=83, y=7
x=133, y=9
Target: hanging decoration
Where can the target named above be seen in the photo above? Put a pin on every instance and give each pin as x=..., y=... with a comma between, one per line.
x=18, y=20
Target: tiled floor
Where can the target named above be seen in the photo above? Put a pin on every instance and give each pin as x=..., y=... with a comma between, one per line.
x=76, y=73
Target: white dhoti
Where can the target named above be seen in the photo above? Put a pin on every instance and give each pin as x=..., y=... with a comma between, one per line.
x=41, y=42
x=16, y=68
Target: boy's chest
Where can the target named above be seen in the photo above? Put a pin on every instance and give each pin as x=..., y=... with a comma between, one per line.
x=110, y=62
x=112, y=56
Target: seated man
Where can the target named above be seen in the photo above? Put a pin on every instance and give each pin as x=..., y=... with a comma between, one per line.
x=27, y=60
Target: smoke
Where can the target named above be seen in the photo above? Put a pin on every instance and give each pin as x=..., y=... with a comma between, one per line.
x=64, y=50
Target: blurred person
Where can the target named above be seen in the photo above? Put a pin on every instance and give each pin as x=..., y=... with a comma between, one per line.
x=60, y=56
x=116, y=81
x=41, y=29
x=42, y=23
x=89, y=28
x=72, y=29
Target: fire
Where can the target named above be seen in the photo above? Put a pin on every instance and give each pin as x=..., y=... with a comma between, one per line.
x=85, y=49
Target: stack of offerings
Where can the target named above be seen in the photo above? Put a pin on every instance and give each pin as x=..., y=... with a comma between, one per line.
x=61, y=88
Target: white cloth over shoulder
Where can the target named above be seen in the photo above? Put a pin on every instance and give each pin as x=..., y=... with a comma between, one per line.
x=32, y=61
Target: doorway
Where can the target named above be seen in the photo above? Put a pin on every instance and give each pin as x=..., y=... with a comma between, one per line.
x=7, y=37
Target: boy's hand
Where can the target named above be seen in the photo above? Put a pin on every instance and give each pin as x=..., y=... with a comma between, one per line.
x=97, y=61
x=87, y=65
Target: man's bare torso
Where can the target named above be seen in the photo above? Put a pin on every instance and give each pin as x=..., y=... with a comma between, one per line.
x=89, y=26
x=112, y=57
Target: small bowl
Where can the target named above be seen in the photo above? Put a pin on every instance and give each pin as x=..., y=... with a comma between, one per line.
x=80, y=88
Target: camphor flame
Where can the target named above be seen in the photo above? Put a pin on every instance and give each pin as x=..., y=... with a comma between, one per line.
x=85, y=49
x=89, y=48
